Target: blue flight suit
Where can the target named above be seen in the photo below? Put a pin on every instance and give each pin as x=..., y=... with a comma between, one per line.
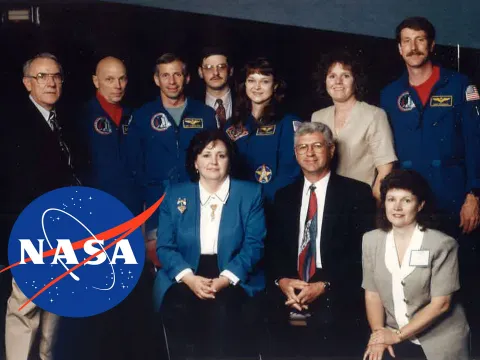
x=159, y=146
x=265, y=153
x=440, y=140
x=106, y=167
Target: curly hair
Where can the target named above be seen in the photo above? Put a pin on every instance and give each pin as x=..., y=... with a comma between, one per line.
x=348, y=61
x=243, y=105
x=200, y=142
x=411, y=181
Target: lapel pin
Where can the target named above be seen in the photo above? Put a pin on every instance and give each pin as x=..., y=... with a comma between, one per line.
x=182, y=205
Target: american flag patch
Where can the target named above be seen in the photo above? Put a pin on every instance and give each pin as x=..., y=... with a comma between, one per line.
x=472, y=93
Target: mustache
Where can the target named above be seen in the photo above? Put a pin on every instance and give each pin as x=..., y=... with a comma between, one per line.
x=415, y=52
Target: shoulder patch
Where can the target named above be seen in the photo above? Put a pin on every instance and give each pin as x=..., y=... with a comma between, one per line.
x=471, y=94
x=405, y=102
x=102, y=126
x=441, y=101
x=159, y=122
x=235, y=133
x=266, y=130
x=192, y=123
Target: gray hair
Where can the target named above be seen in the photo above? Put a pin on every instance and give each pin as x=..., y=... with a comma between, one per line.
x=44, y=55
x=315, y=127
x=168, y=58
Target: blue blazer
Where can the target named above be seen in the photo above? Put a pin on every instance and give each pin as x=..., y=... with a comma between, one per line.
x=240, y=241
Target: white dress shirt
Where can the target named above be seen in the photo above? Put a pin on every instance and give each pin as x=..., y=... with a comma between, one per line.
x=320, y=192
x=45, y=113
x=211, y=206
x=227, y=102
x=400, y=272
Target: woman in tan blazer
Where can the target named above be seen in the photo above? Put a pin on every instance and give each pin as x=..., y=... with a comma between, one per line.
x=362, y=133
x=410, y=277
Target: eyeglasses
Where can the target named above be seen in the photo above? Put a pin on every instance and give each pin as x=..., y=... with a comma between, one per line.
x=42, y=78
x=209, y=67
x=316, y=148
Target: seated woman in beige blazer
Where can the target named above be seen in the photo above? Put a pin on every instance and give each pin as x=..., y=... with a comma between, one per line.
x=362, y=132
x=410, y=277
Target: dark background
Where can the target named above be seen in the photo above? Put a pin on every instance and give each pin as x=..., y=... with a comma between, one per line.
x=81, y=34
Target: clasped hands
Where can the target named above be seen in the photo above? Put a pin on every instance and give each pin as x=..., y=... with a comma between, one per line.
x=307, y=292
x=381, y=339
x=205, y=288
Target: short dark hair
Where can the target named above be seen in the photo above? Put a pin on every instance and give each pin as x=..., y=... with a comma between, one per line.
x=416, y=23
x=243, y=107
x=214, y=50
x=411, y=181
x=168, y=58
x=348, y=61
x=199, y=142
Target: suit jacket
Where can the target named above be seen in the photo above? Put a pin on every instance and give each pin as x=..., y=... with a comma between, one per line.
x=348, y=214
x=32, y=160
x=240, y=240
x=448, y=337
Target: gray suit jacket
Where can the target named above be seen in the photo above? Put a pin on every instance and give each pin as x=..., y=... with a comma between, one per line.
x=447, y=338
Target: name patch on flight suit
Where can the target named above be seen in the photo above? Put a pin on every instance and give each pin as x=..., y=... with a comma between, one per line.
x=193, y=123
x=102, y=126
x=235, y=133
x=159, y=122
x=405, y=102
x=441, y=101
x=266, y=130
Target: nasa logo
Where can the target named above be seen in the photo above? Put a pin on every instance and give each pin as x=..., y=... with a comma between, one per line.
x=76, y=251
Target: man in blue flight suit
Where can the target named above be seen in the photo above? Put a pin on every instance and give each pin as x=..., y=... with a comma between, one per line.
x=104, y=127
x=435, y=117
x=161, y=131
x=434, y=113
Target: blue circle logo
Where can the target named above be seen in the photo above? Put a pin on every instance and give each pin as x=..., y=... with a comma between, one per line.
x=76, y=251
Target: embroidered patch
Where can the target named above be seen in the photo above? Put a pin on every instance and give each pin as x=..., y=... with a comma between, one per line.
x=102, y=126
x=193, y=123
x=235, y=133
x=296, y=124
x=263, y=174
x=266, y=130
x=441, y=101
x=160, y=122
x=471, y=94
x=405, y=102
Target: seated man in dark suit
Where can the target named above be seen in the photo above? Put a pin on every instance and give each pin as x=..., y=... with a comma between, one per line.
x=315, y=242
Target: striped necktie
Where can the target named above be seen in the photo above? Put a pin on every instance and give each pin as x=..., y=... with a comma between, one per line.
x=220, y=113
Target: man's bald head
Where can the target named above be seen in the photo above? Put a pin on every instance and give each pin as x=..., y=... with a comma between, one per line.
x=110, y=79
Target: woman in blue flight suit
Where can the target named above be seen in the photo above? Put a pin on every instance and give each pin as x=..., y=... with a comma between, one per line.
x=262, y=133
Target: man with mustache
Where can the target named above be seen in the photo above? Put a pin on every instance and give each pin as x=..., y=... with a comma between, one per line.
x=216, y=71
x=435, y=117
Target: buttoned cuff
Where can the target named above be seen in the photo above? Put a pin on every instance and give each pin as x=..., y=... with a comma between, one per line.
x=230, y=276
x=182, y=273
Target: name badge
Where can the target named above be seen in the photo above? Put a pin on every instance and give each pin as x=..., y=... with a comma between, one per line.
x=193, y=123
x=419, y=258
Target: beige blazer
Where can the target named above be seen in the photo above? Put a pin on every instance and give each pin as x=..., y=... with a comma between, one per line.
x=448, y=337
x=364, y=143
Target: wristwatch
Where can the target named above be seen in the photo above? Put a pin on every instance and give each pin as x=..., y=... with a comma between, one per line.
x=399, y=333
x=327, y=285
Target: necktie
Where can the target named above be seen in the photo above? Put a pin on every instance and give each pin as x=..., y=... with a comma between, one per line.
x=57, y=130
x=306, y=258
x=221, y=113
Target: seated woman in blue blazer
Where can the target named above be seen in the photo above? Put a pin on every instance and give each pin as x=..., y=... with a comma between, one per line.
x=209, y=242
